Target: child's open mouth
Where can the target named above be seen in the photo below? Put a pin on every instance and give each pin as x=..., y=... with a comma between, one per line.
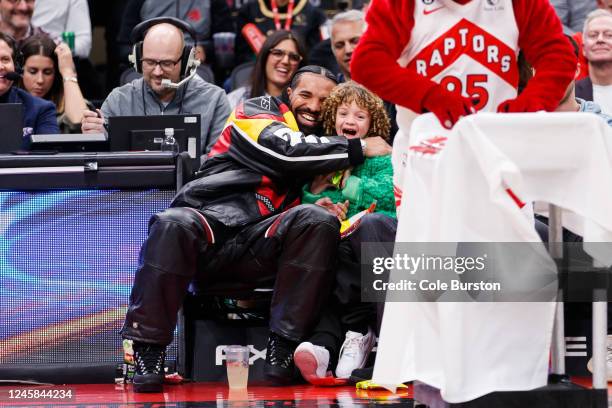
x=349, y=132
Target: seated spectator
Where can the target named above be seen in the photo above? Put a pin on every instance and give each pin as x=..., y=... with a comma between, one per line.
x=58, y=16
x=570, y=103
x=241, y=222
x=16, y=19
x=301, y=18
x=280, y=56
x=49, y=73
x=597, y=49
x=353, y=112
x=346, y=31
x=38, y=114
x=206, y=16
x=162, y=48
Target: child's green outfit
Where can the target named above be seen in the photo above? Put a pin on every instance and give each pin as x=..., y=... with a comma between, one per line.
x=369, y=182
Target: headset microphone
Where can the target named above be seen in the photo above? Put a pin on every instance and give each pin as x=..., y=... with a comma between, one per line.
x=11, y=76
x=166, y=83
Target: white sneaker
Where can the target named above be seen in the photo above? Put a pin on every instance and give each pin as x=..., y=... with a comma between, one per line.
x=354, y=352
x=608, y=360
x=311, y=360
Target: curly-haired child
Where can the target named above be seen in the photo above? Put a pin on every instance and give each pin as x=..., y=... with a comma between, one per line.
x=351, y=111
x=354, y=112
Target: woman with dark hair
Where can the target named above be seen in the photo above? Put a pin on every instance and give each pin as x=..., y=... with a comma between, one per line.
x=280, y=56
x=49, y=73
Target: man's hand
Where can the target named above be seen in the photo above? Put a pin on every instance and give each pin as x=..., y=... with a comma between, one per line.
x=447, y=106
x=92, y=122
x=338, y=209
x=376, y=146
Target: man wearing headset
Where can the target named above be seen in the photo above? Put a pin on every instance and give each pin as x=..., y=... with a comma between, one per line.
x=163, y=60
x=38, y=114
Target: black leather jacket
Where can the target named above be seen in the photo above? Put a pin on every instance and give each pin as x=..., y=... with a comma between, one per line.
x=260, y=162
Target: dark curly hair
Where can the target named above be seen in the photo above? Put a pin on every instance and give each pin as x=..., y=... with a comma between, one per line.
x=351, y=91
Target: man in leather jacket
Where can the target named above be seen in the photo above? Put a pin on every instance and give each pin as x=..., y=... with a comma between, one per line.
x=241, y=222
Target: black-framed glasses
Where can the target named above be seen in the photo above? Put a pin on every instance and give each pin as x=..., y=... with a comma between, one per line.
x=166, y=65
x=15, y=2
x=280, y=54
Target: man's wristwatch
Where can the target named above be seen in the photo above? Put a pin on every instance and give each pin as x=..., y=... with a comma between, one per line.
x=363, y=146
x=71, y=79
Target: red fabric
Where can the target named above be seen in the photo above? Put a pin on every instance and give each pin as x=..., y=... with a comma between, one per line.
x=448, y=107
x=390, y=22
x=584, y=64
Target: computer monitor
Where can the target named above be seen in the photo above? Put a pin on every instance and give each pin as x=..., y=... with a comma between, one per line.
x=79, y=142
x=138, y=133
x=11, y=124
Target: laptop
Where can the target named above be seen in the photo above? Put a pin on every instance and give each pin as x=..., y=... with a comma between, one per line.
x=11, y=123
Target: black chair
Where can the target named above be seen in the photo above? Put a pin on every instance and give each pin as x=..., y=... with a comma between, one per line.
x=128, y=76
x=206, y=73
x=241, y=75
x=221, y=314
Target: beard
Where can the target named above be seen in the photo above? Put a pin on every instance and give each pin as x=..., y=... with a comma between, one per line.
x=316, y=130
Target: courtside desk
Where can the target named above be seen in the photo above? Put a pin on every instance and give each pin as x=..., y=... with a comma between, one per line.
x=71, y=228
x=91, y=170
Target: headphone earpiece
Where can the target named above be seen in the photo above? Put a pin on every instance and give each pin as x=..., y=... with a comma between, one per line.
x=135, y=57
x=189, y=61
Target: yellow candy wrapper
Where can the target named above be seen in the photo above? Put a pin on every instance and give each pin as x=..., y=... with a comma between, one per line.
x=370, y=385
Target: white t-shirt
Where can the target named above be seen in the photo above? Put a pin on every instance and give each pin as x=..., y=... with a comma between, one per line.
x=57, y=16
x=602, y=95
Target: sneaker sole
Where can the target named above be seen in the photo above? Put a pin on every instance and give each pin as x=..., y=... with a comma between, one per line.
x=307, y=364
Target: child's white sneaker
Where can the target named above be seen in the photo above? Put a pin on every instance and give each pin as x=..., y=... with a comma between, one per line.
x=354, y=352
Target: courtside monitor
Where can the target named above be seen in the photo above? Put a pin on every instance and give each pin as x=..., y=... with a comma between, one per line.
x=146, y=133
x=11, y=124
x=69, y=142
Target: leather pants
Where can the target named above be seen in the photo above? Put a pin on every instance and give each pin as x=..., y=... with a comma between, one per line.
x=294, y=251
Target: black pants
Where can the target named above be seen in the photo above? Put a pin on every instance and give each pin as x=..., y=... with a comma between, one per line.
x=345, y=310
x=293, y=250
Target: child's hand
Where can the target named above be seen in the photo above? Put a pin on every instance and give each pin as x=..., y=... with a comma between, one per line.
x=345, y=175
x=338, y=209
x=321, y=183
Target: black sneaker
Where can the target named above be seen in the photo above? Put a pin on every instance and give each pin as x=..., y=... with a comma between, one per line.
x=279, y=367
x=149, y=361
